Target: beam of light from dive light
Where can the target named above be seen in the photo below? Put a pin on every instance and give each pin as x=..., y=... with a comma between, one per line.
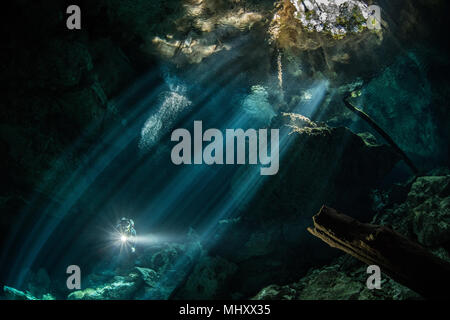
x=152, y=239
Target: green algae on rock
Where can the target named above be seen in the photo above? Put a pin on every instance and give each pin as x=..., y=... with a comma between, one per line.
x=335, y=17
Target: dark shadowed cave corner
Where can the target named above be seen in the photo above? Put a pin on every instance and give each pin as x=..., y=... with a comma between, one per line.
x=85, y=128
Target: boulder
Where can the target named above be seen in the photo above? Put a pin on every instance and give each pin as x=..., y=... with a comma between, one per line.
x=148, y=275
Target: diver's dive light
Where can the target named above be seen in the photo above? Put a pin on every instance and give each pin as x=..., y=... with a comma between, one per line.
x=123, y=238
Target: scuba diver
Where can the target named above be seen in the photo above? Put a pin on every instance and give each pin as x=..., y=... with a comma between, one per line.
x=127, y=232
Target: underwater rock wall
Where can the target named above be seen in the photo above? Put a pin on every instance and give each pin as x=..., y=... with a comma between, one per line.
x=401, y=99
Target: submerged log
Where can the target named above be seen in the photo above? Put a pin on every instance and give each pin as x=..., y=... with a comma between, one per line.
x=403, y=260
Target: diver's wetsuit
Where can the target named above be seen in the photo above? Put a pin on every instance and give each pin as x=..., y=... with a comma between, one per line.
x=126, y=228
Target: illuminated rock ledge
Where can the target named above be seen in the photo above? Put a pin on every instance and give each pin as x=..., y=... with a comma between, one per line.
x=337, y=18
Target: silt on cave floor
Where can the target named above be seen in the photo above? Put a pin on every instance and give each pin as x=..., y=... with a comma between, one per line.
x=86, y=128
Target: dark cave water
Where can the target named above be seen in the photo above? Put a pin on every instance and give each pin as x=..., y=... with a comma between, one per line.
x=129, y=172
